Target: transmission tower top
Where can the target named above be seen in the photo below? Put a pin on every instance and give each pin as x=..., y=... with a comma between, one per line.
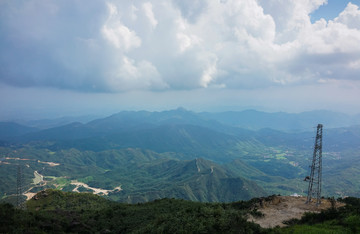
x=314, y=188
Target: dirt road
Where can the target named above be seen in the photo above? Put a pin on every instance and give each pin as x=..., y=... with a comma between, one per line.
x=95, y=190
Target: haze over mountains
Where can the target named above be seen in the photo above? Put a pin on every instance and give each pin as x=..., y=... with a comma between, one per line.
x=73, y=72
x=249, y=119
x=179, y=153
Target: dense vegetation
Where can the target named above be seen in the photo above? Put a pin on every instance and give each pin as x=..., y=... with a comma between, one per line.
x=342, y=220
x=55, y=211
x=143, y=175
x=182, y=154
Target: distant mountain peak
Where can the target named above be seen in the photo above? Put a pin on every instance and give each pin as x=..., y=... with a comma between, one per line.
x=181, y=109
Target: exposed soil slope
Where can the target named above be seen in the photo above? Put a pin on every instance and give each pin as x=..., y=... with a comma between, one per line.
x=281, y=208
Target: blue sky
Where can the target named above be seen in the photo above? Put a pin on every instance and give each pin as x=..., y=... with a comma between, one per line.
x=331, y=10
x=75, y=57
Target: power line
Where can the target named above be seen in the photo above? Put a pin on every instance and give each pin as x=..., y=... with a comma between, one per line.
x=314, y=188
x=19, y=186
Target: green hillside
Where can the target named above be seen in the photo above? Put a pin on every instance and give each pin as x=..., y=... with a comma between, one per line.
x=128, y=175
x=57, y=212
x=53, y=211
x=151, y=155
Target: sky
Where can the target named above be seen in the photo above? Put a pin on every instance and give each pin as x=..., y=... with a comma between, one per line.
x=77, y=57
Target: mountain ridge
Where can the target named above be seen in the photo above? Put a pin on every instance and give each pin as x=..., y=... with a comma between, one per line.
x=275, y=160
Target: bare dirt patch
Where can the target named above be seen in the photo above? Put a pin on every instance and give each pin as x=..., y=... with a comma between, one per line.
x=95, y=190
x=282, y=208
x=51, y=164
x=37, y=181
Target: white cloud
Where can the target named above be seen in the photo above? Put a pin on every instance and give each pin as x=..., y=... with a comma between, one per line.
x=185, y=39
x=133, y=11
x=124, y=45
x=191, y=9
x=131, y=76
x=350, y=16
x=210, y=70
x=290, y=17
x=330, y=38
x=147, y=6
x=117, y=33
x=355, y=65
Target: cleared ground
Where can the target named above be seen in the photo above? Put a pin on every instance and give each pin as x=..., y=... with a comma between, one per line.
x=282, y=208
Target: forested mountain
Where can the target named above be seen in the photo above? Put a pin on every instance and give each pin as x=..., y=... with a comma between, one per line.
x=252, y=119
x=183, y=154
x=56, y=122
x=10, y=129
x=128, y=175
x=223, y=122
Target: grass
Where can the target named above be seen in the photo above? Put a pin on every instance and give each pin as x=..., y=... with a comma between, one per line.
x=61, y=182
x=37, y=178
x=86, y=180
x=325, y=228
x=280, y=156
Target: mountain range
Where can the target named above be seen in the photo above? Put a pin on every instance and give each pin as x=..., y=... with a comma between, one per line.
x=196, y=156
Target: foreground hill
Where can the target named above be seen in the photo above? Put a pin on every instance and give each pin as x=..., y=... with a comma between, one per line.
x=54, y=211
x=277, y=210
x=57, y=212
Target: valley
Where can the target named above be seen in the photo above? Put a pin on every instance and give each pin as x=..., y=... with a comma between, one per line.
x=180, y=116
x=141, y=156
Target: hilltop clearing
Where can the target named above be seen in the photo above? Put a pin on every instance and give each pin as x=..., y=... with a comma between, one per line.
x=277, y=209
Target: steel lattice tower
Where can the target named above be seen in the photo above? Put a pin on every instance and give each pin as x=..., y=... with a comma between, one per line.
x=314, y=189
x=19, y=186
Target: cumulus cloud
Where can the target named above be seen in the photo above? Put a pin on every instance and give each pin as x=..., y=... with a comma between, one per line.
x=191, y=9
x=117, y=33
x=350, y=16
x=131, y=75
x=117, y=46
x=147, y=6
x=328, y=48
